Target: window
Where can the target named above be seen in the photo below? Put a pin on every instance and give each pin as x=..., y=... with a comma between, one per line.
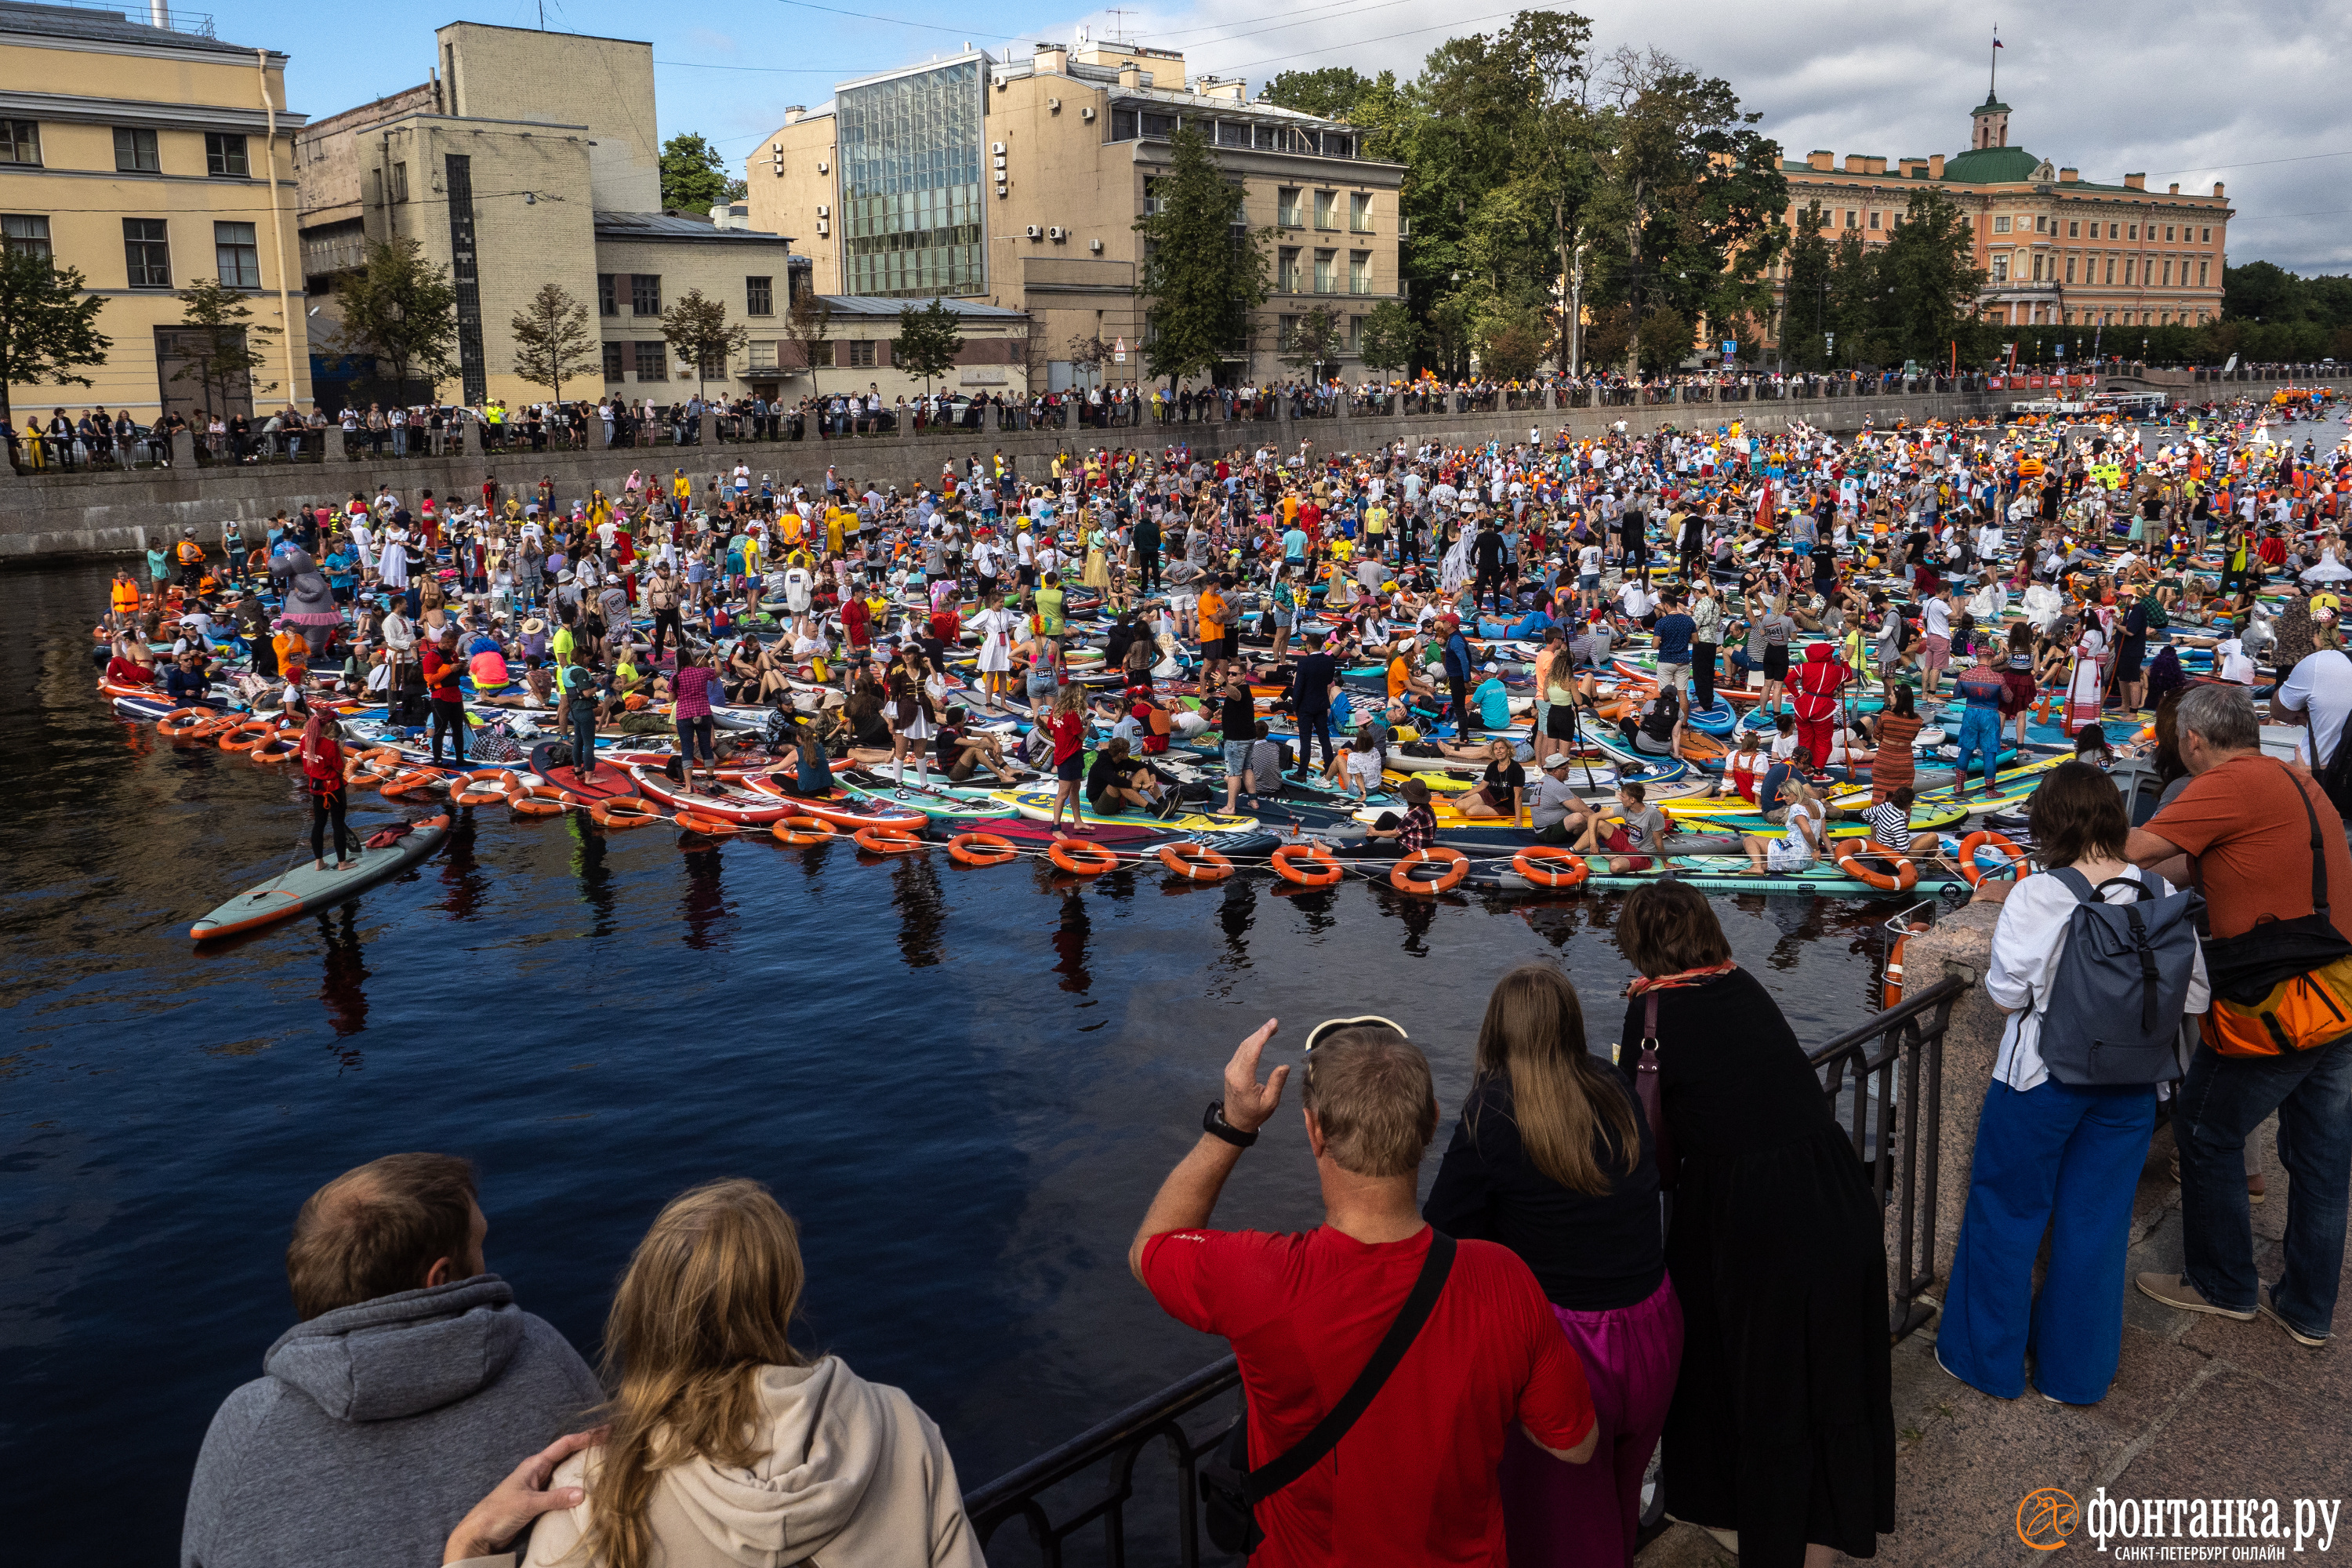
x=651, y=361
x=861, y=354
x=1157, y=126
x=400, y=182
x=616, y=357
x=1285, y=332
x=759, y=296
x=2070, y=269
x=606, y=304
x=1232, y=134
x=2074, y=231
x=1851, y=223
x=20, y=141
x=1359, y=272
x=1285, y=208
x=1286, y=269
x=2000, y=269
x=2205, y=237
x=134, y=150
x=763, y=355
x=1326, y=204
x=2168, y=234
x=820, y=355
x=1324, y=260
x=2134, y=232
x=2111, y=231
x=2000, y=225
x=1122, y=125
x=1269, y=138
x=1359, y=214
x=2127, y=271
x=2037, y=268
x=2168, y=272
x=644, y=294
x=1873, y=217
x=147, y=252
x=2201, y=277
x=1355, y=334
x=25, y=236
x=2111, y=269
x=236, y=255
x=225, y=155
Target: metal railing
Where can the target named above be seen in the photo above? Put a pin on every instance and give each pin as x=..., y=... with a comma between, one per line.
x=1896, y=1053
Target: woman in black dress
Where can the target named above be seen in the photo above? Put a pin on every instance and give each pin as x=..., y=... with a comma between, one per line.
x=1782, y=1427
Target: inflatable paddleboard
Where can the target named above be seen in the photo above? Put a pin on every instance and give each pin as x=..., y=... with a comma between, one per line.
x=306, y=887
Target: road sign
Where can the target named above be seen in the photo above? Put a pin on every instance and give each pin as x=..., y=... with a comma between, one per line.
x=1730, y=348
x=1119, y=351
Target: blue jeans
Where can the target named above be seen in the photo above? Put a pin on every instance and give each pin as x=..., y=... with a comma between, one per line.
x=2051, y=1153
x=2222, y=1101
x=583, y=737
x=1981, y=737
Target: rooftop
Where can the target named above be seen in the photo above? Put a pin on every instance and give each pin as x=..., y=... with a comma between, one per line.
x=670, y=226
x=877, y=305
x=190, y=31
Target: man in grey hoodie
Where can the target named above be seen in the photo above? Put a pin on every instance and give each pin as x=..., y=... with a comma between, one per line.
x=409, y=1389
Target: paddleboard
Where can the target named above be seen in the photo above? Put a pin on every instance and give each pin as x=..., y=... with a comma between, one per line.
x=306, y=887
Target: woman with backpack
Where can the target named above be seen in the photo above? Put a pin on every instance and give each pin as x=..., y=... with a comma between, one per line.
x=2062, y=1134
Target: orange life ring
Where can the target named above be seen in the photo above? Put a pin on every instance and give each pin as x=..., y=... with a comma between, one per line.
x=622, y=812
x=246, y=734
x=1983, y=838
x=1904, y=875
x=501, y=779
x=981, y=849
x=399, y=784
x=544, y=800
x=1456, y=864
x=1893, y=994
x=802, y=830
x=708, y=825
x=1081, y=860
x=1197, y=862
x=879, y=840
x=275, y=751
x=187, y=723
x=1541, y=864
x=1315, y=854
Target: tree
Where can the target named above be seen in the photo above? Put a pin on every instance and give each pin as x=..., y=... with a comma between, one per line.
x=400, y=310
x=697, y=326
x=1087, y=352
x=1804, y=294
x=809, y=323
x=552, y=340
x=48, y=324
x=1929, y=282
x=1330, y=94
x=694, y=177
x=1512, y=340
x=1315, y=340
x=1664, y=341
x=1388, y=336
x=928, y=341
x=1203, y=272
x=226, y=358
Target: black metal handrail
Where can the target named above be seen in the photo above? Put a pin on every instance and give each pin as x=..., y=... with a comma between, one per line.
x=1869, y=1054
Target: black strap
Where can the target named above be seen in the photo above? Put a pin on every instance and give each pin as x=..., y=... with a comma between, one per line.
x=1272, y=1476
x=2318, y=851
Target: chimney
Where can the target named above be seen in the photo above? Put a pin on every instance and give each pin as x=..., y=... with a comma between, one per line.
x=2174, y=188
x=2068, y=176
x=1934, y=166
x=2136, y=182
x=1052, y=59
x=1820, y=159
x=1130, y=75
x=1853, y=163
x=793, y=114
x=1873, y=165
x=2217, y=187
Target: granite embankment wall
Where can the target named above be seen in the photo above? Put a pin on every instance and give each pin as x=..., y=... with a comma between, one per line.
x=63, y=515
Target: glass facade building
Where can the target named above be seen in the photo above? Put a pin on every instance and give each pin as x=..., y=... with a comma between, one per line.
x=912, y=153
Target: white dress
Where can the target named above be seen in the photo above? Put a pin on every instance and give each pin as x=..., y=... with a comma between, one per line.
x=996, y=644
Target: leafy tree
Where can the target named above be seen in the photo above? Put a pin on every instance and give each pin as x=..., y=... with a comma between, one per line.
x=809, y=323
x=2263, y=292
x=1452, y=326
x=694, y=177
x=226, y=357
x=552, y=340
x=1086, y=353
x=697, y=326
x=48, y=325
x=928, y=341
x=1315, y=340
x=1928, y=281
x=1664, y=341
x=1203, y=272
x=1804, y=296
x=1511, y=343
x=1330, y=94
x=1388, y=336
x=400, y=310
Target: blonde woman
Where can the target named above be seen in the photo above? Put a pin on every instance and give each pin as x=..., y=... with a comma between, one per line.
x=726, y=1445
x=1807, y=817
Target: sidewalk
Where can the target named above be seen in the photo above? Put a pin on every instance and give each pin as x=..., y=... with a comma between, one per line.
x=2202, y=1407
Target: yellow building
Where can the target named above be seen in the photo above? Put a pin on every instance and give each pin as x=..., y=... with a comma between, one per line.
x=148, y=158
x=2056, y=250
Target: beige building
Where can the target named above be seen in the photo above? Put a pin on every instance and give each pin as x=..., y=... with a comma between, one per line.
x=512, y=176
x=1019, y=183
x=2058, y=250
x=855, y=355
x=147, y=158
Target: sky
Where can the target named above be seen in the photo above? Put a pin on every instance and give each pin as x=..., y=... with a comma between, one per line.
x=2227, y=89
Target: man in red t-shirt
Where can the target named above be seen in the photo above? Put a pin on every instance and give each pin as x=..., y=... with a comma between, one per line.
x=1413, y=1480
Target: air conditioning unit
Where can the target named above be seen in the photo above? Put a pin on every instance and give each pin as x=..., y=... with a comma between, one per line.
x=1057, y=236
x=823, y=210
x=1054, y=106
x=823, y=167
x=997, y=148
x=1095, y=246
x=1088, y=112
x=1037, y=233
x=823, y=228
x=1000, y=162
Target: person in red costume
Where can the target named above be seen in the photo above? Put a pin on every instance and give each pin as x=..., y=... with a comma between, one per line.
x=1816, y=684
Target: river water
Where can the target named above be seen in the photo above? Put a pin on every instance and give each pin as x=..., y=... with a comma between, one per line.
x=963, y=1083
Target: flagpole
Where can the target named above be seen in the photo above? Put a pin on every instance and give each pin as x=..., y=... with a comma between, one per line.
x=1992, y=84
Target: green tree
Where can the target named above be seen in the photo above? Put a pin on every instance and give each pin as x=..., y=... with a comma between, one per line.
x=1315, y=340
x=1929, y=282
x=400, y=310
x=697, y=326
x=552, y=340
x=1330, y=94
x=1388, y=336
x=1804, y=297
x=1203, y=270
x=1512, y=342
x=809, y=323
x=223, y=337
x=694, y=177
x=1664, y=341
x=2263, y=292
x=928, y=341
x=48, y=324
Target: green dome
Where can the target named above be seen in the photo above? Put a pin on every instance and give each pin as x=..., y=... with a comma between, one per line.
x=1992, y=166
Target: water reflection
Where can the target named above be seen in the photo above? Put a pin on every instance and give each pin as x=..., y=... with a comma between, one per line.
x=344, y=987
x=1070, y=937
x=922, y=910
x=461, y=873
x=595, y=876
x=702, y=904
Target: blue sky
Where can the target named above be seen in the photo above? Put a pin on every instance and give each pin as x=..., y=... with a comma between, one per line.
x=2251, y=94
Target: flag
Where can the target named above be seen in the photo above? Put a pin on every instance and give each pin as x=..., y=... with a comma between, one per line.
x=1996, y=41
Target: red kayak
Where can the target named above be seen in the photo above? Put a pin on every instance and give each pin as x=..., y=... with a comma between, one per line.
x=840, y=807
x=749, y=807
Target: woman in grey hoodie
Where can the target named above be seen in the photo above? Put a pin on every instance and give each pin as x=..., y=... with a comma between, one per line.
x=727, y=1446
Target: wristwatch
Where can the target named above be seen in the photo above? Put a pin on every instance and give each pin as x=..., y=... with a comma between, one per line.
x=1214, y=1122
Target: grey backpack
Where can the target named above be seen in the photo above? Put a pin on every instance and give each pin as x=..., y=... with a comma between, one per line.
x=2116, y=1001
